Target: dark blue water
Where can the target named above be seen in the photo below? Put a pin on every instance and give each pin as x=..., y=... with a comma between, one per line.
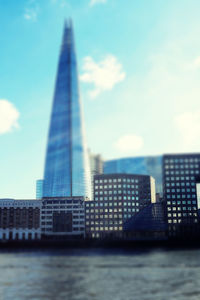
x=98, y=274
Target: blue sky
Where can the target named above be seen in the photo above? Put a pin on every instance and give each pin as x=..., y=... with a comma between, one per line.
x=139, y=65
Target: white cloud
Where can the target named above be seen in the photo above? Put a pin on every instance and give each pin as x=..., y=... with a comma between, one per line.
x=129, y=143
x=31, y=11
x=30, y=14
x=9, y=116
x=188, y=124
x=104, y=75
x=93, y=2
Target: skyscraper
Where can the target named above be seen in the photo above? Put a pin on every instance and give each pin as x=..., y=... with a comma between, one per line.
x=67, y=171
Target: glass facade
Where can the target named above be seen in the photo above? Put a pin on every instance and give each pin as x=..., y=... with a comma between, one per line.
x=150, y=218
x=39, y=188
x=147, y=165
x=67, y=171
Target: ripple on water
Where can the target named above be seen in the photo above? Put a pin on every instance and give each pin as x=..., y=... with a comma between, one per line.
x=103, y=275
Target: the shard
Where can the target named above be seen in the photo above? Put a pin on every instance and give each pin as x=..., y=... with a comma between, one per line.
x=67, y=171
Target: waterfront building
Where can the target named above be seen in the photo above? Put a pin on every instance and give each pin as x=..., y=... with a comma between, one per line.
x=39, y=188
x=180, y=176
x=117, y=197
x=148, y=224
x=63, y=217
x=20, y=219
x=96, y=167
x=144, y=165
x=67, y=171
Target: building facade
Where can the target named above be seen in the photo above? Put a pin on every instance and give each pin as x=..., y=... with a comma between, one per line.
x=117, y=197
x=63, y=217
x=20, y=219
x=180, y=176
x=39, y=188
x=146, y=165
x=96, y=164
x=67, y=171
x=96, y=167
x=148, y=224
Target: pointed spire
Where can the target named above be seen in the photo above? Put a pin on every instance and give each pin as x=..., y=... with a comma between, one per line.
x=68, y=36
x=68, y=23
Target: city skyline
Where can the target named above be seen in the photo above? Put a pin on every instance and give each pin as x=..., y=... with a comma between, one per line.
x=148, y=68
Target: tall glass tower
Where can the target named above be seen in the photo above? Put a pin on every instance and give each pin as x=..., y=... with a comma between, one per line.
x=67, y=171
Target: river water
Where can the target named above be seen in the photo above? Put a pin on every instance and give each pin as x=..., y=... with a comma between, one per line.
x=100, y=274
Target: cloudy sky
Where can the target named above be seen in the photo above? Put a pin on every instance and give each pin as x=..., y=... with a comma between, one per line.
x=139, y=65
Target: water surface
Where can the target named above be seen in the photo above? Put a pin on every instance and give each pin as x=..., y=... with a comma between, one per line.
x=100, y=274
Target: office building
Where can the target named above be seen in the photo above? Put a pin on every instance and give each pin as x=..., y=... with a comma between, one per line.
x=117, y=197
x=146, y=165
x=148, y=224
x=180, y=176
x=67, y=171
x=20, y=219
x=39, y=188
x=63, y=217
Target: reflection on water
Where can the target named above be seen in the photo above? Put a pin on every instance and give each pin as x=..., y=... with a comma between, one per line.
x=97, y=274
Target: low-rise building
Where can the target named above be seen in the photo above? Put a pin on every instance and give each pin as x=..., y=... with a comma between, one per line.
x=20, y=219
x=63, y=217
